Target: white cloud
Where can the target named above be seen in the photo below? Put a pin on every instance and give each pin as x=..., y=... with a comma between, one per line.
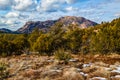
x=9, y=22
x=117, y=15
x=50, y=5
x=71, y=1
x=20, y=5
x=53, y=5
x=71, y=9
x=5, y=4
x=12, y=15
x=24, y=5
x=30, y=5
x=2, y=22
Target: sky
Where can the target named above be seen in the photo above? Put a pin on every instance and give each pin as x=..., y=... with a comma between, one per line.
x=15, y=13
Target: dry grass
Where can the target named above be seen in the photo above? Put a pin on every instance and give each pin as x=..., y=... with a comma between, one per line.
x=76, y=76
x=89, y=69
x=32, y=74
x=109, y=59
x=99, y=73
x=35, y=67
x=114, y=73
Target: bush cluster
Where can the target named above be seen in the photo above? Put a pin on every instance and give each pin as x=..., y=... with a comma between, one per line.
x=103, y=38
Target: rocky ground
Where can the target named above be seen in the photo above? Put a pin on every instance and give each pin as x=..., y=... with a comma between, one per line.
x=82, y=67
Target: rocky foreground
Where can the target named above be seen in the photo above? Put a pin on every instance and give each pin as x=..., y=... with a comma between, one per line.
x=83, y=67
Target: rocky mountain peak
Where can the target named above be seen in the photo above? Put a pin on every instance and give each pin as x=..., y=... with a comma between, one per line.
x=45, y=25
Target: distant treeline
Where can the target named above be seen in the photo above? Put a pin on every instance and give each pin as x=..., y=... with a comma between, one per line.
x=103, y=38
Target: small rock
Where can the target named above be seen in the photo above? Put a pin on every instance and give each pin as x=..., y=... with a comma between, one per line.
x=117, y=76
x=74, y=60
x=78, y=69
x=98, y=78
x=87, y=65
x=108, y=69
x=83, y=74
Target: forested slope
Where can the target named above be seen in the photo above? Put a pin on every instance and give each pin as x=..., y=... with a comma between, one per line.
x=103, y=38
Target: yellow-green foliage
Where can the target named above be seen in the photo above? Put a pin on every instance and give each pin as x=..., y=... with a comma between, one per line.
x=103, y=38
x=60, y=54
x=3, y=71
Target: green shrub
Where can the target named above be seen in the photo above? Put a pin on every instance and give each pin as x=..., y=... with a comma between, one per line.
x=3, y=71
x=60, y=54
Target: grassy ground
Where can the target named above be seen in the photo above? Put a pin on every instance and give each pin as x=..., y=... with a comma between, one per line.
x=79, y=67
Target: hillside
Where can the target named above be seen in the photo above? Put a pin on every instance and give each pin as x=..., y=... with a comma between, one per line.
x=75, y=54
x=45, y=25
x=3, y=30
x=75, y=39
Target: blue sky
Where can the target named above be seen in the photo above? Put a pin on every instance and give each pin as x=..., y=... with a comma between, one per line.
x=14, y=13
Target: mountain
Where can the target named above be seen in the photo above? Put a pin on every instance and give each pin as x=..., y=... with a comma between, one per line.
x=31, y=25
x=45, y=25
x=4, y=30
x=80, y=21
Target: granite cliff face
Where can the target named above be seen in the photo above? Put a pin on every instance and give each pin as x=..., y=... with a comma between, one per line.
x=45, y=25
